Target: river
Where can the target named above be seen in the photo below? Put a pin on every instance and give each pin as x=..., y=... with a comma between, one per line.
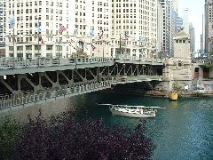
x=182, y=130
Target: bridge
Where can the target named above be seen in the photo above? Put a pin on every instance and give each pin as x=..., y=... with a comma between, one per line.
x=27, y=82
x=203, y=61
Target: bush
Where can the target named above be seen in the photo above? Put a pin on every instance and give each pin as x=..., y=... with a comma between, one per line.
x=10, y=131
x=65, y=138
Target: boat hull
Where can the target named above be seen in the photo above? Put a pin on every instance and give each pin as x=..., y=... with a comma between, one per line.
x=126, y=114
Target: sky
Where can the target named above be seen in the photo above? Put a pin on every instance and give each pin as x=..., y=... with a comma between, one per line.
x=196, y=9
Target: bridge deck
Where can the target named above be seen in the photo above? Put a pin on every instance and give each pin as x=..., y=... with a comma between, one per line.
x=12, y=66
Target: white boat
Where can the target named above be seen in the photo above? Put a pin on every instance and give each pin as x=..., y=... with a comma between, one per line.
x=132, y=111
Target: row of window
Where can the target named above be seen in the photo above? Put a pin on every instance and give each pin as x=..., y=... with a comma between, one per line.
x=30, y=11
x=36, y=3
x=30, y=47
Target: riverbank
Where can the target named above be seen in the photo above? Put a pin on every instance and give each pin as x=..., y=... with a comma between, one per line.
x=185, y=94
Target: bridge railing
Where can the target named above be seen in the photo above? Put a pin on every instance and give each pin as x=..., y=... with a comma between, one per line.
x=127, y=58
x=132, y=79
x=9, y=102
x=16, y=63
x=203, y=60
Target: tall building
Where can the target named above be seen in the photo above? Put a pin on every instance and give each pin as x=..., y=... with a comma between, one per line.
x=192, y=38
x=100, y=23
x=57, y=28
x=166, y=27
x=134, y=27
x=2, y=27
x=169, y=23
x=94, y=27
x=38, y=28
x=202, y=37
x=208, y=26
x=179, y=24
x=173, y=15
x=176, y=5
x=160, y=30
x=186, y=20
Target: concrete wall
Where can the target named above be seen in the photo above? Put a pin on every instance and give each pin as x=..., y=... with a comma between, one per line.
x=167, y=85
x=211, y=74
x=48, y=109
x=182, y=49
x=178, y=70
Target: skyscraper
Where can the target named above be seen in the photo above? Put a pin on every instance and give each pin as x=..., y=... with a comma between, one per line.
x=160, y=29
x=169, y=24
x=208, y=26
x=2, y=27
x=179, y=24
x=166, y=26
x=192, y=37
x=38, y=28
x=134, y=23
x=60, y=28
x=186, y=20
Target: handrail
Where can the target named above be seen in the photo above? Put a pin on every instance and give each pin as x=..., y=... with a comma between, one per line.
x=16, y=63
x=9, y=102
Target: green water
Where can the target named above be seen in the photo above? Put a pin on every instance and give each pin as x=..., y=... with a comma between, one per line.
x=183, y=130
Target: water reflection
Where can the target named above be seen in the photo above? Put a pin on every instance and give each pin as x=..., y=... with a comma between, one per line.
x=173, y=104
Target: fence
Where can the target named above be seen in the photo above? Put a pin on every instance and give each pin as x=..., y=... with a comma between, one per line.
x=10, y=102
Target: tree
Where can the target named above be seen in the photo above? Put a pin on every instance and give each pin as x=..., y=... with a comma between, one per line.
x=176, y=87
x=10, y=131
x=66, y=138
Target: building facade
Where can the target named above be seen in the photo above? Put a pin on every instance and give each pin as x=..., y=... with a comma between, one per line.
x=57, y=28
x=168, y=27
x=160, y=30
x=186, y=20
x=2, y=27
x=134, y=28
x=63, y=28
x=208, y=26
x=179, y=24
x=192, y=38
x=99, y=27
x=38, y=28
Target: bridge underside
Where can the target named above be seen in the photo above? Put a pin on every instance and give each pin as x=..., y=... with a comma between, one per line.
x=22, y=84
x=40, y=87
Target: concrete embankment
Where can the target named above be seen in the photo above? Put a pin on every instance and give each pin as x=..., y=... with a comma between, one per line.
x=164, y=93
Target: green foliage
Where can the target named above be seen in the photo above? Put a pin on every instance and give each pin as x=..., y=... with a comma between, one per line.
x=10, y=130
x=209, y=66
x=176, y=87
x=65, y=137
x=211, y=53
